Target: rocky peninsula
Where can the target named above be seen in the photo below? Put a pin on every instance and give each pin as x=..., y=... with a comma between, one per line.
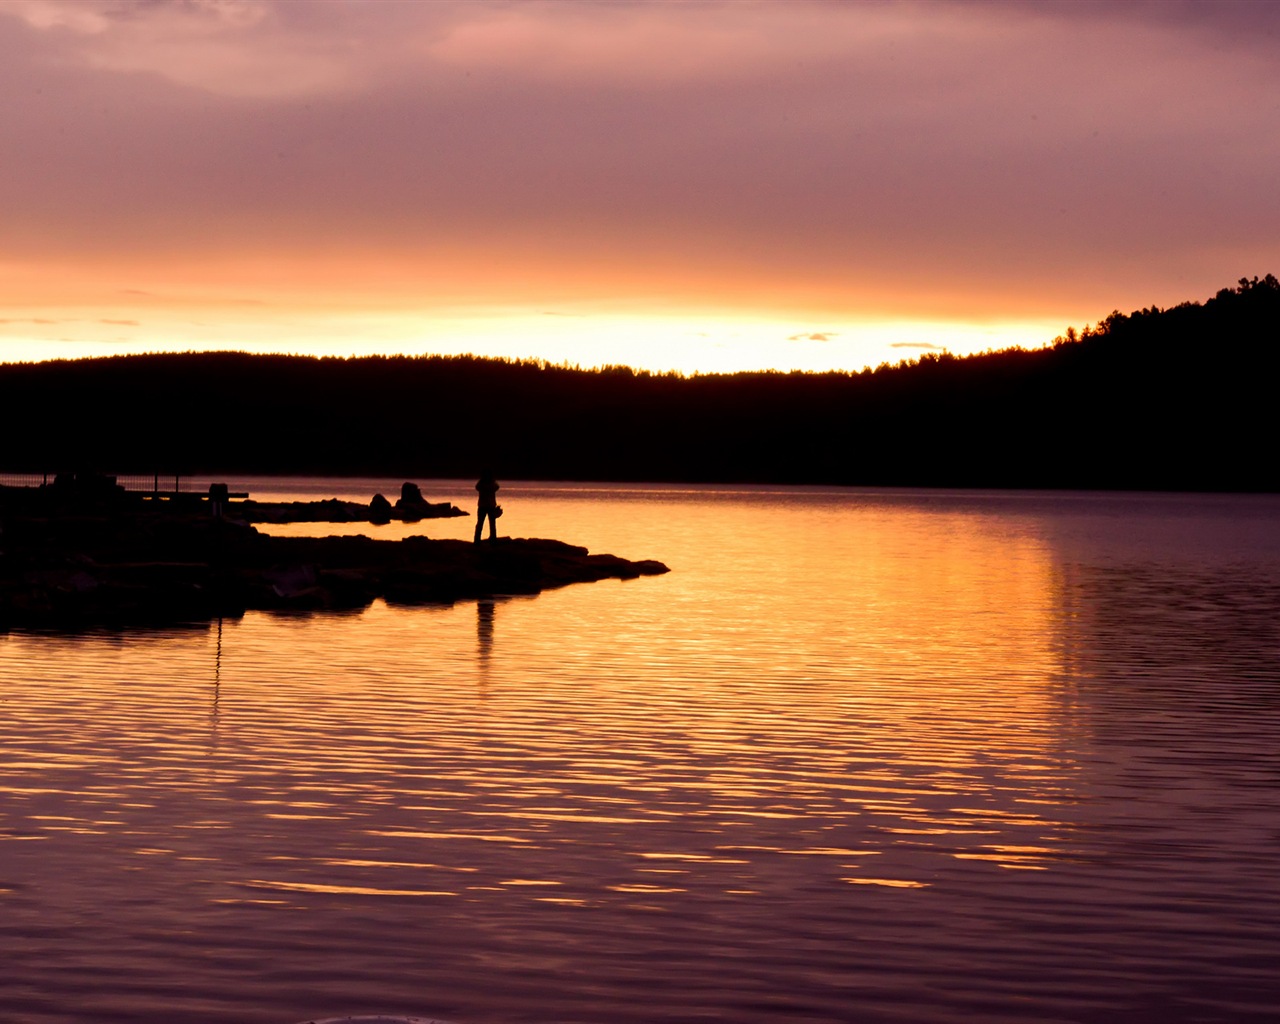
x=77, y=557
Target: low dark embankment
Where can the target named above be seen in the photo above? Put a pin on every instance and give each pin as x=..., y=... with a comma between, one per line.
x=1175, y=399
x=71, y=558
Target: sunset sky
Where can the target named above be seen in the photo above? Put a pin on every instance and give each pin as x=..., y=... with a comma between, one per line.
x=697, y=186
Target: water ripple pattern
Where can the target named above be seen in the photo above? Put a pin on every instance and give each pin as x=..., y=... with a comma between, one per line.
x=893, y=756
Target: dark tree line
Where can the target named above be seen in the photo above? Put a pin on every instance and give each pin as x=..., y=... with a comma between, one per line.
x=1174, y=399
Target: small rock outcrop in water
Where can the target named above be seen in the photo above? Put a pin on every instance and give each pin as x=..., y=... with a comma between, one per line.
x=410, y=508
x=129, y=562
x=379, y=510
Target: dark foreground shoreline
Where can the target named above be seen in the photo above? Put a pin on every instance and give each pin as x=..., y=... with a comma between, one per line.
x=134, y=563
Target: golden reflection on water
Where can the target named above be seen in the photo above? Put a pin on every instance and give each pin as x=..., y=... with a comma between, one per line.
x=877, y=673
x=823, y=698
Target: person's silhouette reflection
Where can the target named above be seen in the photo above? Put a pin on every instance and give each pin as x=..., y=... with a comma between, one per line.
x=487, y=488
x=217, y=689
x=484, y=643
x=484, y=630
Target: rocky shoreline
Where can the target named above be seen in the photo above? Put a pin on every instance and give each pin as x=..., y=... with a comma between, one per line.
x=124, y=562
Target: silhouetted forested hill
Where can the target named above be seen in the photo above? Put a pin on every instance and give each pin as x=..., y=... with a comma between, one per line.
x=1178, y=399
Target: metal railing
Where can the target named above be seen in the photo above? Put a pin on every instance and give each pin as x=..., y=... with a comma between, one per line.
x=145, y=483
x=24, y=479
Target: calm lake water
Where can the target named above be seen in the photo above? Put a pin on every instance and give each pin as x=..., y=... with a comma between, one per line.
x=861, y=756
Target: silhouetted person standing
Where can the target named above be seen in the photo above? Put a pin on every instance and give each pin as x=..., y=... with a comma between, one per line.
x=487, y=487
x=218, y=497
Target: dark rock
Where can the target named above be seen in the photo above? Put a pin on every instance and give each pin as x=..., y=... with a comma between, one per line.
x=379, y=509
x=150, y=564
x=413, y=507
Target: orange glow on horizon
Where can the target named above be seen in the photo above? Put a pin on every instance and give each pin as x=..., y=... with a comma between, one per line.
x=650, y=318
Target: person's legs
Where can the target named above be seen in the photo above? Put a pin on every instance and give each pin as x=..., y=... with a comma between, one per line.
x=481, y=515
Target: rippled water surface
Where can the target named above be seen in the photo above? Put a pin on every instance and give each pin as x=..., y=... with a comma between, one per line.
x=909, y=756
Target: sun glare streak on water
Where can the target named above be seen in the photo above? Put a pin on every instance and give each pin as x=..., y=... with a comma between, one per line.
x=875, y=757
